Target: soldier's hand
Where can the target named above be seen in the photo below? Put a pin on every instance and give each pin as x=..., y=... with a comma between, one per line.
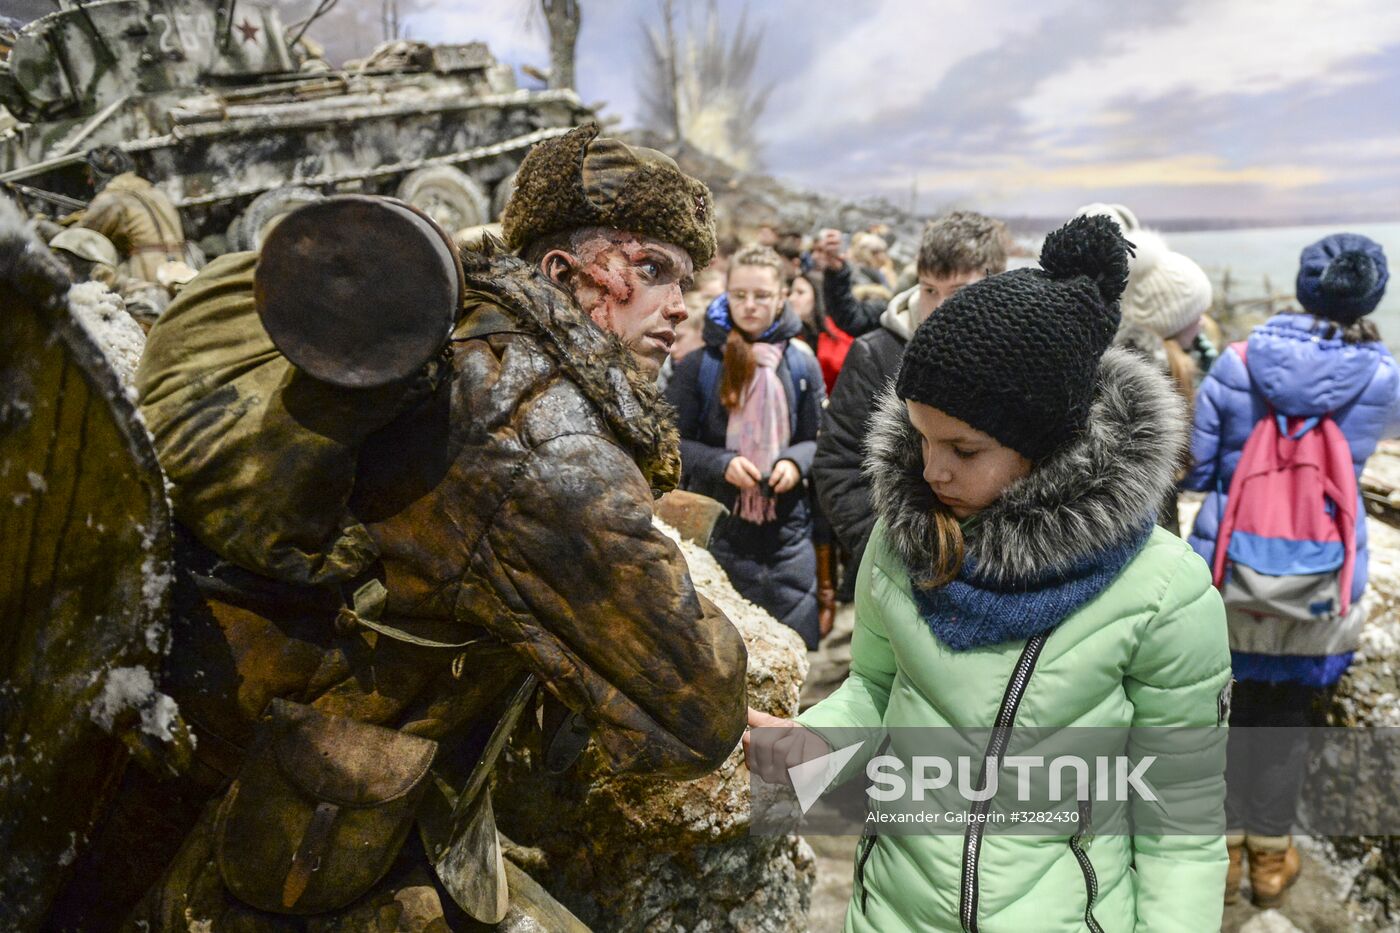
x=742, y=473
x=779, y=744
x=785, y=476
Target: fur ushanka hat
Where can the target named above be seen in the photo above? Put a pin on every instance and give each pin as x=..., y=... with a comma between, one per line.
x=583, y=180
x=1016, y=355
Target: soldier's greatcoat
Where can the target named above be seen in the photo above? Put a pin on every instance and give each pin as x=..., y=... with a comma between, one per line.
x=140, y=221
x=512, y=510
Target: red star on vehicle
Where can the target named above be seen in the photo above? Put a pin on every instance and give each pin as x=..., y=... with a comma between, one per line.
x=250, y=32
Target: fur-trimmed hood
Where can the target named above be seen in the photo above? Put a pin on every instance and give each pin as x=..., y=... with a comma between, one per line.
x=604, y=370
x=1093, y=494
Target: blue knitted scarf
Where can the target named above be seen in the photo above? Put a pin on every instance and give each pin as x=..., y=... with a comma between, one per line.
x=969, y=613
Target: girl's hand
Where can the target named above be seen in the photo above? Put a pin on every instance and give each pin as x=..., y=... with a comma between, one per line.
x=742, y=473
x=781, y=745
x=785, y=476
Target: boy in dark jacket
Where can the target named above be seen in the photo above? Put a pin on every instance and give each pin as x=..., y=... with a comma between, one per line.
x=956, y=250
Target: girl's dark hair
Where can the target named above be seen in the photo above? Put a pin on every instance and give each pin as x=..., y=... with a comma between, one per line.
x=1362, y=330
x=818, y=301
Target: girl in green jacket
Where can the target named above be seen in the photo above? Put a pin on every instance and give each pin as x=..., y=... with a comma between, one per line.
x=1015, y=579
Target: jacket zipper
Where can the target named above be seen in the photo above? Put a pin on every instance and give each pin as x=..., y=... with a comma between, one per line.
x=867, y=842
x=1091, y=880
x=996, y=746
x=867, y=845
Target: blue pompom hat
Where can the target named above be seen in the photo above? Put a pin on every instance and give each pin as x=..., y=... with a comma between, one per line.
x=1342, y=277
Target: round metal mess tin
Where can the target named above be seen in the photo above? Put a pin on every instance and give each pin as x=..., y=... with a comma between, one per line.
x=358, y=291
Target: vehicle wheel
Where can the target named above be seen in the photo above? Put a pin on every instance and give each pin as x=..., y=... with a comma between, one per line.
x=446, y=194
x=504, y=188
x=258, y=219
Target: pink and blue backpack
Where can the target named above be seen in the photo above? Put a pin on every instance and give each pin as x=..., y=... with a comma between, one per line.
x=1286, y=550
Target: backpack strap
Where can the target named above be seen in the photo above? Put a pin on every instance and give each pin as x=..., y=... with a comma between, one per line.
x=710, y=367
x=801, y=362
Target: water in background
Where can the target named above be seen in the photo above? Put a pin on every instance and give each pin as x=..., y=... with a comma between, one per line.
x=1250, y=255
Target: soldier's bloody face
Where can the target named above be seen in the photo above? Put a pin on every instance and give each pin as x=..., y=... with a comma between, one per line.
x=633, y=286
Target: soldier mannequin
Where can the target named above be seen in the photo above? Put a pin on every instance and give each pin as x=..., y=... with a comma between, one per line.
x=511, y=510
x=134, y=214
x=90, y=256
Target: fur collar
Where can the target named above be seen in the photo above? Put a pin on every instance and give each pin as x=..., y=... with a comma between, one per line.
x=1093, y=494
x=594, y=359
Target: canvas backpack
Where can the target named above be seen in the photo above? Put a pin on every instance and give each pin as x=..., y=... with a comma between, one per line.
x=1286, y=549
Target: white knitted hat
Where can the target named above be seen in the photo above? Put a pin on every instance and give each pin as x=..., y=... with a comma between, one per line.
x=1167, y=292
x=1125, y=219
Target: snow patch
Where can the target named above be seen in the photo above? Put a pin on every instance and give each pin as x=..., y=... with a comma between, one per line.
x=66, y=857
x=126, y=688
x=102, y=313
x=132, y=688
x=36, y=482
x=156, y=574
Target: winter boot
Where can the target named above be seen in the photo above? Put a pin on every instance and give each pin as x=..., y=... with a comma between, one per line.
x=1273, y=866
x=826, y=590
x=1234, y=844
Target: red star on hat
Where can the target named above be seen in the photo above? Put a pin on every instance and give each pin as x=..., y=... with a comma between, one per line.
x=250, y=32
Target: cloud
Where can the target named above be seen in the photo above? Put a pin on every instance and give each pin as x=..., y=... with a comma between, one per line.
x=1220, y=48
x=875, y=65
x=1210, y=106
x=1198, y=169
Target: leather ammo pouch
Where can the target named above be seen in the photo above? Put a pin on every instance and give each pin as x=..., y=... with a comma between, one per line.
x=319, y=809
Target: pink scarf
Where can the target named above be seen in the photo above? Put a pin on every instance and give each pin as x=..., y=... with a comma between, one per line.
x=760, y=429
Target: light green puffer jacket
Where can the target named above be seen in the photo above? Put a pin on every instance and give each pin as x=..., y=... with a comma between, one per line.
x=1150, y=650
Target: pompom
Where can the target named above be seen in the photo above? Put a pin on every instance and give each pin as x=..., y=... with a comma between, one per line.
x=1351, y=275
x=1089, y=246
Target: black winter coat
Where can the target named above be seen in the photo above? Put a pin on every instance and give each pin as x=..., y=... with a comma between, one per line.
x=772, y=565
x=842, y=490
x=851, y=314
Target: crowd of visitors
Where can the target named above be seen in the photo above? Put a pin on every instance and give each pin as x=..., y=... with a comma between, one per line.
x=850, y=459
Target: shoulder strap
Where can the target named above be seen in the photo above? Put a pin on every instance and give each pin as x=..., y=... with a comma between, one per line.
x=800, y=363
x=710, y=366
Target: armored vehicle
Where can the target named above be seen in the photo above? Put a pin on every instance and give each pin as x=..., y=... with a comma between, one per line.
x=238, y=119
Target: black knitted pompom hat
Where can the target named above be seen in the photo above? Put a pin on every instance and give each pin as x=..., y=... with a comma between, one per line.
x=1016, y=355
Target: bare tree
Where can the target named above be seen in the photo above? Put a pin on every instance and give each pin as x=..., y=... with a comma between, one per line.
x=702, y=88
x=390, y=26
x=563, y=18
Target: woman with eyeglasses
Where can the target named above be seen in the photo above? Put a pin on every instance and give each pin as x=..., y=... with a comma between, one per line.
x=749, y=404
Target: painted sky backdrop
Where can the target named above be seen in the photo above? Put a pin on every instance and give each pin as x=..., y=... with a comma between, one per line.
x=1267, y=109
x=1273, y=110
